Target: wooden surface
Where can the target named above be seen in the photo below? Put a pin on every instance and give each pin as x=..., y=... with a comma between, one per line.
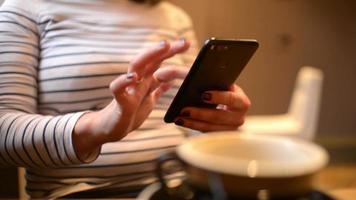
x=338, y=180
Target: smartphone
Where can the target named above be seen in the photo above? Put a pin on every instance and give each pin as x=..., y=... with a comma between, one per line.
x=217, y=66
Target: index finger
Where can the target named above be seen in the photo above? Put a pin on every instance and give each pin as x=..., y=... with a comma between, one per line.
x=138, y=65
x=178, y=47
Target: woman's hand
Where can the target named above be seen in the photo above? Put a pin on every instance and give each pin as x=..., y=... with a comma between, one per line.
x=229, y=114
x=135, y=95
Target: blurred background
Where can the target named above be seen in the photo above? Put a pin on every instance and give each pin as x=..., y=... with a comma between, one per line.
x=292, y=34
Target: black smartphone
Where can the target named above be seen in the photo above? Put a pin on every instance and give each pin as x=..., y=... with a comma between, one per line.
x=217, y=66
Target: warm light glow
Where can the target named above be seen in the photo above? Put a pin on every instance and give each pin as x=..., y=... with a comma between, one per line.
x=252, y=168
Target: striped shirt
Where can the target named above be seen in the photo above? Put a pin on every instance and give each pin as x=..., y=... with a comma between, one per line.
x=57, y=58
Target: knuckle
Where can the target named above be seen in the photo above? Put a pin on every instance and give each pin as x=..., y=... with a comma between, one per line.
x=234, y=127
x=206, y=129
x=195, y=114
x=240, y=121
x=217, y=117
x=244, y=107
x=203, y=130
x=201, y=127
x=247, y=103
x=232, y=98
x=112, y=86
x=209, y=116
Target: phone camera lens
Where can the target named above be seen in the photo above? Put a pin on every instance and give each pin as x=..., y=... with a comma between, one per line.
x=222, y=47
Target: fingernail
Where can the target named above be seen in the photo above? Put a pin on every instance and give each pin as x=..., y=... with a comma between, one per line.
x=182, y=40
x=130, y=75
x=185, y=113
x=162, y=43
x=206, y=96
x=179, y=122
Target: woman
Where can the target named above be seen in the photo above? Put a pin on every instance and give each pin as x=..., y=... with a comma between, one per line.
x=75, y=97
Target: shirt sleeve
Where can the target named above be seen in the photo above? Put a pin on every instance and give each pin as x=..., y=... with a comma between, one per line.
x=26, y=137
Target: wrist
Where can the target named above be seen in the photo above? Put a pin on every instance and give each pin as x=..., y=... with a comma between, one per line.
x=86, y=137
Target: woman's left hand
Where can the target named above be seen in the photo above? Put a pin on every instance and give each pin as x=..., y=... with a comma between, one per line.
x=229, y=114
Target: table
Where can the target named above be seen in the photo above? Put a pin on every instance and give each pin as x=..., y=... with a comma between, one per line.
x=338, y=180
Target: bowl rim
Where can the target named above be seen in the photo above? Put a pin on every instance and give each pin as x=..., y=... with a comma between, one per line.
x=250, y=167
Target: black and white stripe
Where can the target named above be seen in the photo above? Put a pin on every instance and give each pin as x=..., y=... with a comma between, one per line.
x=57, y=59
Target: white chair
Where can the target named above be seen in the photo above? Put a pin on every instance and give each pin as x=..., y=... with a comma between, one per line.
x=301, y=119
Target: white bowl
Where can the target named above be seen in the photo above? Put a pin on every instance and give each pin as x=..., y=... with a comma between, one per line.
x=249, y=164
x=253, y=155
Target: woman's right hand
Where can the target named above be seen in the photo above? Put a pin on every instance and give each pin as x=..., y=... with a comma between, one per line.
x=135, y=95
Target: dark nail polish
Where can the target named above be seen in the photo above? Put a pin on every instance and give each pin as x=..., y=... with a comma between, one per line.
x=162, y=43
x=179, y=122
x=185, y=113
x=130, y=75
x=206, y=96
